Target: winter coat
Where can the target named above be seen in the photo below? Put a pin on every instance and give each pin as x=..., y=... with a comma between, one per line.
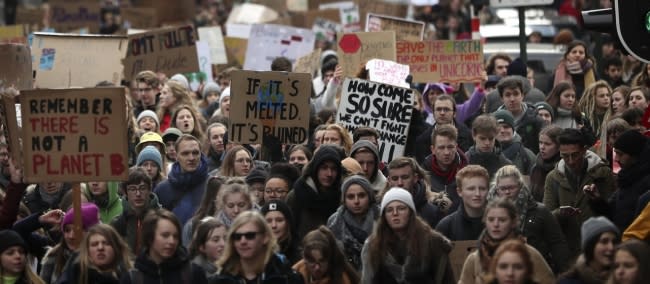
x=277, y=271
x=35, y=203
x=491, y=161
x=181, y=193
x=48, y=264
x=444, y=184
x=129, y=223
x=423, y=149
x=350, y=233
x=632, y=183
x=72, y=274
x=11, y=204
x=177, y=269
x=520, y=156
x=532, y=95
x=538, y=175
x=311, y=207
x=472, y=272
x=428, y=211
x=208, y=267
x=301, y=267
x=559, y=191
x=459, y=227
x=581, y=273
x=436, y=271
x=110, y=207
x=528, y=127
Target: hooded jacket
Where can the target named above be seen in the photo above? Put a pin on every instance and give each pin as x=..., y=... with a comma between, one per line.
x=559, y=191
x=377, y=180
x=110, y=205
x=129, y=223
x=177, y=269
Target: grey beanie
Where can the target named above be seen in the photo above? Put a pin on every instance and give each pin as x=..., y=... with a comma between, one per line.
x=364, y=144
x=397, y=194
x=363, y=182
x=210, y=87
x=180, y=78
x=148, y=113
x=150, y=153
x=593, y=227
x=546, y=106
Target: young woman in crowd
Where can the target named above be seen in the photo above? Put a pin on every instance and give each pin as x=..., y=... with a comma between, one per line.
x=537, y=225
x=277, y=187
x=237, y=162
x=163, y=260
x=249, y=256
x=639, y=98
x=299, y=156
x=620, y=97
x=208, y=244
x=562, y=99
x=103, y=257
x=151, y=161
x=511, y=264
x=207, y=208
x=501, y=223
x=172, y=96
x=323, y=261
x=631, y=263
x=280, y=218
x=594, y=265
x=577, y=67
x=224, y=104
x=403, y=247
x=547, y=158
x=353, y=221
x=56, y=259
x=596, y=105
x=189, y=121
x=233, y=199
x=642, y=78
x=14, y=267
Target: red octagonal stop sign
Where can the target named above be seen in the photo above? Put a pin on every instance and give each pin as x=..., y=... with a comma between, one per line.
x=350, y=43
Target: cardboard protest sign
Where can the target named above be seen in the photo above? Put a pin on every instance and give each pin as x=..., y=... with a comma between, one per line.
x=139, y=18
x=13, y=34
x=74, y=135
x=238, y=30
x=357, y=48
x=383, y=107
x=69, y=15
x=326, y=30
x=380, y=7
x=276, y=5
x=458, y=254
x=298, y=5
x=308, y=63
x=16, y=67
x=249, y=13
x=269, y=41
x=170, y=11
x=308, y=18
x=270, y=105
x=167, y=50
x=388, y=72
x=195, y=79
x=9, y=123
x=442, y=60
x=404, y=29
x=236, y=49
x=214, y=38
x=66, y=60
x=31, y=17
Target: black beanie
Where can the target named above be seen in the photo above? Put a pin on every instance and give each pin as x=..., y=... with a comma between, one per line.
x=279, y=205
x=256, y=175
x=631, y=142
x=9, y=238
x=517, y=67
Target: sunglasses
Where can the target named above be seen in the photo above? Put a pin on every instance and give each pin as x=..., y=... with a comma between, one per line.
x=248, y=236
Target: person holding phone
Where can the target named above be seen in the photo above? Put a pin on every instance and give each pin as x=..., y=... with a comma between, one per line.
x=579, y=183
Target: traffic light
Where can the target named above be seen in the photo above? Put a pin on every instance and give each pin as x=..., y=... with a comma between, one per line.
x=632, y=19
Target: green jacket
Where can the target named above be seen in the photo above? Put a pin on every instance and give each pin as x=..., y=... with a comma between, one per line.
x=111, y=208
x=559, y=192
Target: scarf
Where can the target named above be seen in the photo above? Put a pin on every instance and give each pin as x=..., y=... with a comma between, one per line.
x=488, y=246
x=188, y=180
x=523, y=202
x=539, y=173
x=50, y=198
x=224, y=219
x=586, y=70
x=450, y=174
x=361, y=230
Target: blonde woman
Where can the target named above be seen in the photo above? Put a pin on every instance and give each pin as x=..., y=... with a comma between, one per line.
x=172, y=96
x=596, y=105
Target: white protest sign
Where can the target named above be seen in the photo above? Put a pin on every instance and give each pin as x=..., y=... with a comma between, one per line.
x=238, y=30
x=267, y=41
x=326, y=29
x=350, y=16
x=384, y=107
x=214, y=38
x=388, y=72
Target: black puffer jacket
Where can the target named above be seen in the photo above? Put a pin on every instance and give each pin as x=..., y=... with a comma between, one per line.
x=277, y=271
x=177, y=269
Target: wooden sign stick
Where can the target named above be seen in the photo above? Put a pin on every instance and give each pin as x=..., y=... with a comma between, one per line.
x=76, y=204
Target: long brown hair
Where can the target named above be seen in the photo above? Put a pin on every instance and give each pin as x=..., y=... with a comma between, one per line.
x=122, y=258
x=518, y=247
x=199, y=121
x=324, y=241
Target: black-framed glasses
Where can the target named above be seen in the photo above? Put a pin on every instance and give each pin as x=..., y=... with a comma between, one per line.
x=247, y=235
x=137, y=188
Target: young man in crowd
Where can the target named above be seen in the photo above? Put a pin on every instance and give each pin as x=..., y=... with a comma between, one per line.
x=485, y=151
x=148, y=91
x=510, y=142
x=366, y=153
x=527, y=124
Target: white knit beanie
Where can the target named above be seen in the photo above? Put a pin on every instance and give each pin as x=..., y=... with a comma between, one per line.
x=397, y=194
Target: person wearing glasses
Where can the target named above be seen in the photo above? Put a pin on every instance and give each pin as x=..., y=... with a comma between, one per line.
x=580, y=184
x=403, y=248
x=249, y=256
x=163, y=259
x=147, y=92
x=237, y=162
x=138, y=200
x=182, y=191
x=537, y=224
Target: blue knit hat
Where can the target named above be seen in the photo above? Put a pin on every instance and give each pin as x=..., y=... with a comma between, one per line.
x=150, y=153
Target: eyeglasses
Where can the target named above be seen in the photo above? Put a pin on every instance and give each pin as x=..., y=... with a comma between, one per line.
x=248, y=236
x=398, y=209
x=507, y=188
x=136, y=188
